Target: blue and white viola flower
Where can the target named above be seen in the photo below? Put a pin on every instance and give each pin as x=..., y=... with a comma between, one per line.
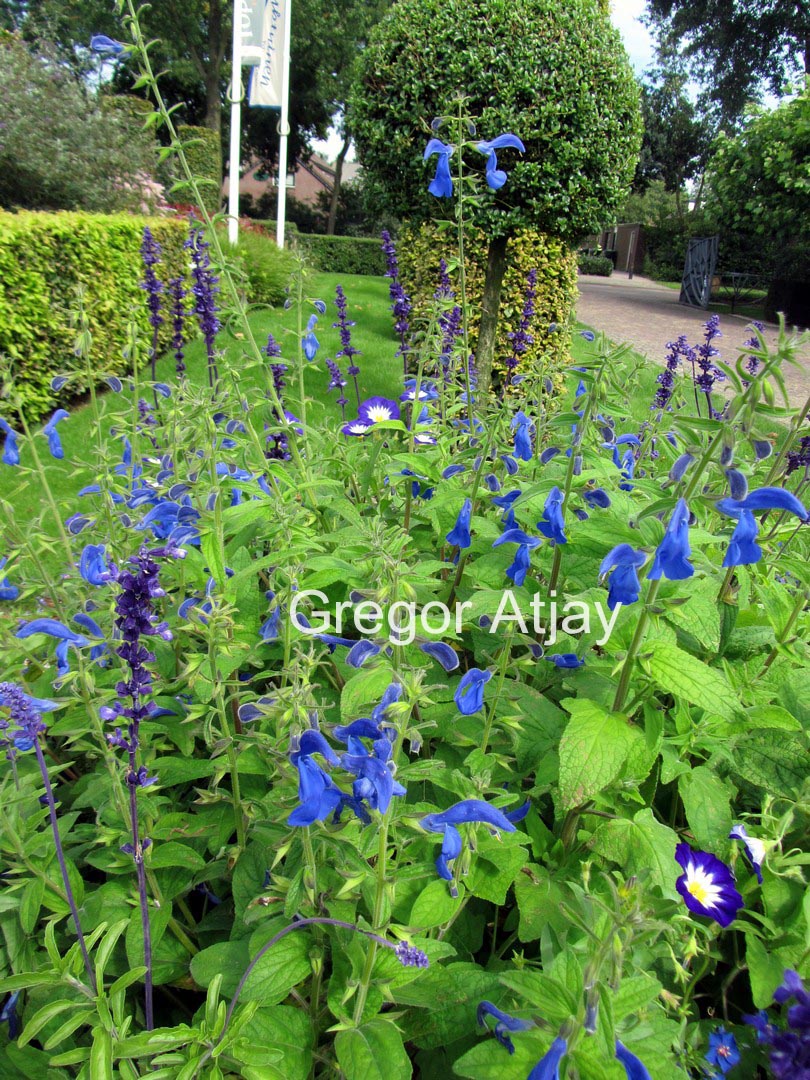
x=469, y=695
x=356, y=427
x=427, y=391
x=707, y=885
x=754, y=849
x=670, y=560
x=442, y=183
x=376, y=410
x=468, y=811
x=496, y=177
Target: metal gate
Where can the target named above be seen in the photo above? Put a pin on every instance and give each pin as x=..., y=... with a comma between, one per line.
x=698, y=271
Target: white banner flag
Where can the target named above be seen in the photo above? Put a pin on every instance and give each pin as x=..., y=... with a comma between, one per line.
x=266, y=79
x=252, y=24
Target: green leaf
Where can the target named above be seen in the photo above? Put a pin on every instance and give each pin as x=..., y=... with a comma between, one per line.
x=765, y=971
x=445, y=1000
x=44, y=1016
x=171, y=854
x=773, y=760
x=31, y=903
x=700, y=615
x=212, y=552
x=684, y=676
x=593, y=749
x=180, y=770
x=285, y=1029
x=640, y=846
x=634, y=994
x=283, y=966
x=434, y=906
x=707, y=802
x=365, y=688
x=373, y=1051
x=771, y=716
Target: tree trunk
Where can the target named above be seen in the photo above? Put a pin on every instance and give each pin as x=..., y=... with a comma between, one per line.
x=216, y=54
x=333, y=202
x=490, y=305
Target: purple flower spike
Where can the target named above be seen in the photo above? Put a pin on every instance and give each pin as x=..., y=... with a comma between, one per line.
x=707, y=885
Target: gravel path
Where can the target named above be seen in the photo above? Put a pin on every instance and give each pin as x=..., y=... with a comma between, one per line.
x=647, y=315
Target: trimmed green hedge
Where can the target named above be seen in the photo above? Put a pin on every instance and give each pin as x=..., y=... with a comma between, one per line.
x=595, y=264
x=43, y=258
x=419, y=251
x=203, y=150
x=342, y=254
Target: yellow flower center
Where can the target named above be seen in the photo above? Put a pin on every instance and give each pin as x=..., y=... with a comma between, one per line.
x=699, y=891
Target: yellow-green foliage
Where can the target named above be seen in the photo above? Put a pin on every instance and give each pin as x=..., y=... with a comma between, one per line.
x=43, y=258
x=203, y=151
x=419, y=251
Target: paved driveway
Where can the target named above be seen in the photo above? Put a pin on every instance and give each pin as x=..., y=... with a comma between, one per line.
x=648, y=315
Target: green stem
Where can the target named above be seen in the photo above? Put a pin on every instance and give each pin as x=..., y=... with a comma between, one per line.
x=502, y=667
x=635, y=645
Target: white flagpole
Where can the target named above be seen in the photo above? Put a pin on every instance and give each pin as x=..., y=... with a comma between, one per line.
x=236, y=124
x=284, y=128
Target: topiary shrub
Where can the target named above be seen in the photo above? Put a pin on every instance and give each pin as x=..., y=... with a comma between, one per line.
x=265, y=268
x=594, y=264
x=420, y=249
x=43, y=259
x=203, y=151
x=555, y=75
x=342, y=254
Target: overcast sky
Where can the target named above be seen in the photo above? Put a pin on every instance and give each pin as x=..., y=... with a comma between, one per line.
x=625, y=15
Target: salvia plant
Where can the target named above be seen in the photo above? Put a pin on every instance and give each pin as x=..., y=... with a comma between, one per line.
x=444, y=734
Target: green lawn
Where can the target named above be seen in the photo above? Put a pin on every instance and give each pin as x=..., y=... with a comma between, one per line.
x=381, y=373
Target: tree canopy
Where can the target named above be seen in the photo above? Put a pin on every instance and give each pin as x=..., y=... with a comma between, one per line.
x=735, y=47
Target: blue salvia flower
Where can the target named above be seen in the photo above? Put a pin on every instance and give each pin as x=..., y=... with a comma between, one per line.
x=496, y=177
x=767, y=498
x=678, y=470
x=468, y=811
x=520, y=565
x=742, y=547
x=442, y=184
x=11, y=450
x=737, y=483
x=459, y=535
x=64, y=636
x=8, y=1015
x=566, y=660
x=469, y=695
x=205, y=288
x=309, y=342
x=504, y=1023
x=552, y=523
x=8, y=591
x=623, y=584
x=24, y=723
x=317, y=795
x=375, y=781
x=522, y=427
x=634, y=1068
x=441, y=653
x=52, y=435
x=670, y=560
x=93, y=565
x=106, y=46
x=548, y=1067
x=361, y=652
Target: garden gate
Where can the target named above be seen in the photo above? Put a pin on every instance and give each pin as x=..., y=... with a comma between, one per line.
x=698, y=271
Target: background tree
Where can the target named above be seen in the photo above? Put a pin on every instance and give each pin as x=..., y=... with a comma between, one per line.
x=759, y=189
x=60, y=147
x=556, y=75
x=734, y=47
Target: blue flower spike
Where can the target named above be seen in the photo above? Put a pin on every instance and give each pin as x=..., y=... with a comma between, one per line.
x=707, y=885
x=496, y=177
x=442, y=184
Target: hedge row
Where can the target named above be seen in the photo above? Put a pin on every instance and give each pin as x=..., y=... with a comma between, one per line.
x=341, y=254
x=203, y=150
x=420, y=250
x=44, y=258
x=595, y=264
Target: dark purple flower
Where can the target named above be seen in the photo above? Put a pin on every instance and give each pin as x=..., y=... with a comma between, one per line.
x=205, y=289
x=707, y=885
x=178, y=294
x=400, y=301
x=521, y=338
